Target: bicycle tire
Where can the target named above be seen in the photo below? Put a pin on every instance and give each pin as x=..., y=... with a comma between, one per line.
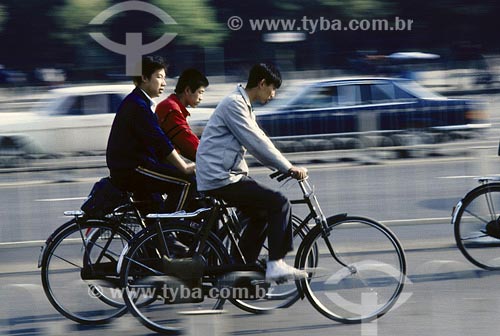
x=278, y=295
x=370, y=265
x=68, y=255
x=93, y=238
x=478, y=208
x=141, y=263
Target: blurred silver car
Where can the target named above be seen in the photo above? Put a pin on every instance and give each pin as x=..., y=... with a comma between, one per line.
x=74, y=120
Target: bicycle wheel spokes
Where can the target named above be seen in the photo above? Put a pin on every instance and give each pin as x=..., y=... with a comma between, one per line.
x=79, y=272
x=477, y=211
x=159, y=299
x=363, y=278
x=277, y=295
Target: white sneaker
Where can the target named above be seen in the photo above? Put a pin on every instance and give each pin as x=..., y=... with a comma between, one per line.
x=278, y=270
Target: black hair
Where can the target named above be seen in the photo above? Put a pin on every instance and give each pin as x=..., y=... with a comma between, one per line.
x=191, y=78
x=149, y=65
x=264, y=71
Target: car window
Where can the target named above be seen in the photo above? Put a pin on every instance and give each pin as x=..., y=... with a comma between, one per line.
x=387, y=92
x=70, y=106
x=401, y=94
x=349, y=95
x=82, y=105
x=381, y=93
x=325, y=96
x=95, y=104
x=410, y=87
x=316, y=97
x=115, y=101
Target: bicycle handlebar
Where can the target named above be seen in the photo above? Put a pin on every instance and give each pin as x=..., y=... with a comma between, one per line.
x=279, y=176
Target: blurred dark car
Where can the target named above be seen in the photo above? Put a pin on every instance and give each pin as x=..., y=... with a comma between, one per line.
x=375, y=105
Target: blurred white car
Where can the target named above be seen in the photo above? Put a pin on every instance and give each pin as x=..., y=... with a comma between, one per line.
x=75, y=120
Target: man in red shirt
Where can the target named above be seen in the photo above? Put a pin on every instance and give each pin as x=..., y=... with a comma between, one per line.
x=172, y=112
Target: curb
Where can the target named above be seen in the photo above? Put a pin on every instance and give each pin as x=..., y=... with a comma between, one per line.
x=367, y=155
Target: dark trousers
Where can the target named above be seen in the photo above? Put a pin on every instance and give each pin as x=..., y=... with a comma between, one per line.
x=150, y=181
x=269, y=212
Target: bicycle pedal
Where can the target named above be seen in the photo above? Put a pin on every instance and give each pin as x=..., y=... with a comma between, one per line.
x=278, y=281
x=103, y=283
x=282, y=280
x=242, y=279
x=156, y=281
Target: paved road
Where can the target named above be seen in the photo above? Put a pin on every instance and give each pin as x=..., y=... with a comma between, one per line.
x=33, y=203
x=447, y=295
x=444, y=296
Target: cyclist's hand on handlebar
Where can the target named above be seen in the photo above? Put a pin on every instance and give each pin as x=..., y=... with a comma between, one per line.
x=298, y=173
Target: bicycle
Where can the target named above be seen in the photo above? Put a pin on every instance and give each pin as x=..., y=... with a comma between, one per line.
x=356, y=267
x=472, y=216
x=78, y=263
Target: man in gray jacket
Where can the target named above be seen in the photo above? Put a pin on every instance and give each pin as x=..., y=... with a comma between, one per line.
x=223, y=172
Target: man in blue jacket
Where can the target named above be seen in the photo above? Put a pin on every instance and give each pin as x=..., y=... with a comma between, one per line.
x=139, y=155
x=223, y=172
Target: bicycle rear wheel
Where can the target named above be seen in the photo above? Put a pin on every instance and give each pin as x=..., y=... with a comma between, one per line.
x=159, y=300
x=363, y=277
x=478, y=209
x=78, y=271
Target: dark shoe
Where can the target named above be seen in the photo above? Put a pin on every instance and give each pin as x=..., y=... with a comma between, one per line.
x=493, y=229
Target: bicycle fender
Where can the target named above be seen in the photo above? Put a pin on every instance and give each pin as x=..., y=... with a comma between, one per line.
x=43, y=248
x=476, y=189
x=120, y=259
x=455, y=211
x=458, y=206
x=336, y=218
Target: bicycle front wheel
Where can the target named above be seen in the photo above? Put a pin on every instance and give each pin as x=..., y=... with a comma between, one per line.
x=79, y=273
x=361, y=269
x=478, y=209
x=285, y=294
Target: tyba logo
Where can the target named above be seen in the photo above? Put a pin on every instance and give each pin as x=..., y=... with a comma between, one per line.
x=133, y=49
